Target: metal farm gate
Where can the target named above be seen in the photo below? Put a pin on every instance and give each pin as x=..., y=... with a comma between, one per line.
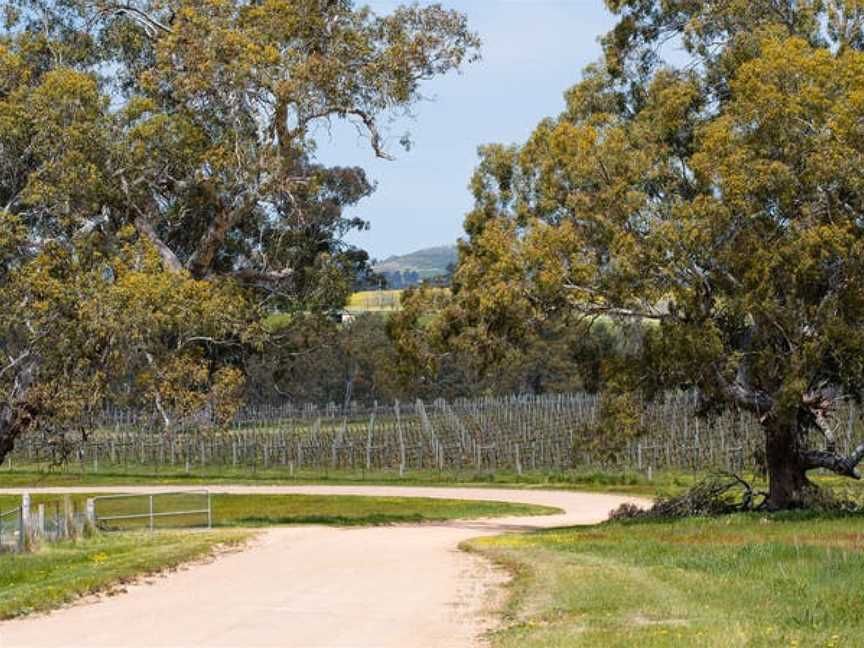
x=179, y=509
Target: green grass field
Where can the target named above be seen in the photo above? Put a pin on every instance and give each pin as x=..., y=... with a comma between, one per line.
x=631, y=482
x=270, y=510
x=741, y=580
x=59, y=573
x=661, y=483
x=355, y=510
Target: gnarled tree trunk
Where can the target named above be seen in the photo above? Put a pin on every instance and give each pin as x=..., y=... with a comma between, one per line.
x=7, y=439
x=17, y=414
x=13, y=422
x=788, y=485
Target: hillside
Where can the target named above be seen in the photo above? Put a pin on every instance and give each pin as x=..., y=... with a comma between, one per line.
x=427, y=263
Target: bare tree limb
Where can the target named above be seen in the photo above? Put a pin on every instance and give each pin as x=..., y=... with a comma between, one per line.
x=145, y=228
x=612, y=311
x=374, y=134
x=14, y=362
x=825, y=427
x=151, y=25
x=591, y=310
x=89, y=226
x=846, y=466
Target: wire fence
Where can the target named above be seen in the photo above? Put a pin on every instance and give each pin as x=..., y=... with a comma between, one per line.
x=36, y=522
x=10, y=530
x=32, y=523
x=515, y=433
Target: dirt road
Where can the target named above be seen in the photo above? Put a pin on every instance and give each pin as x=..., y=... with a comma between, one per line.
x=405, y=586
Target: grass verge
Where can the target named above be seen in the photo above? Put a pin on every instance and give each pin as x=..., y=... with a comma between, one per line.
x=625, y=482
x=357, y=510
x=741, y=580
x=59, y=573
x=270, y=510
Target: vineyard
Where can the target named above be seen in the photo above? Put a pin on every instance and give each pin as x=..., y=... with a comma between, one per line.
x=519, y=433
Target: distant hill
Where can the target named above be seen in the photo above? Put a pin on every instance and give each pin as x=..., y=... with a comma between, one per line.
x=409, y=269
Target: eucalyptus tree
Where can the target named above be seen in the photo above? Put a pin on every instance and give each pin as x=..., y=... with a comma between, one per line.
x=706, y=177
x=159, y=188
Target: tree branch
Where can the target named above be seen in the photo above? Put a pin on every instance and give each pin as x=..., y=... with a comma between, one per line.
x=743, y=396
x=612, y=311
x=251, y=275
x=200, y=262
x=846, y=466
x=16, y=413
x=13, y=362
x=593, y=310
x=829, y=459
x=151, y=25
x=374, y=135
x=825, y=427
x=89, y=226
x=145, y=228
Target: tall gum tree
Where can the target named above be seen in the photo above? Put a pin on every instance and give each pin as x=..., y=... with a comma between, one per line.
x=719, y=197
x=159, y=190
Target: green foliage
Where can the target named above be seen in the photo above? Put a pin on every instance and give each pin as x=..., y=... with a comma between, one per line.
x=618, y=423
x=438, y=334
x=720, y=198
x=310, y=360
x=159, y=192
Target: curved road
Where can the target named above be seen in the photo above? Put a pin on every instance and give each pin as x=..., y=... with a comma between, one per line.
x=405, y=586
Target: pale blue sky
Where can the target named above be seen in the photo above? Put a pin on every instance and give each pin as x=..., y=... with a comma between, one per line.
x=533, y=50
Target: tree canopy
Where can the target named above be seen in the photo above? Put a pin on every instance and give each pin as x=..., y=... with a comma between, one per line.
x=159, y=189
x=718, y=198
